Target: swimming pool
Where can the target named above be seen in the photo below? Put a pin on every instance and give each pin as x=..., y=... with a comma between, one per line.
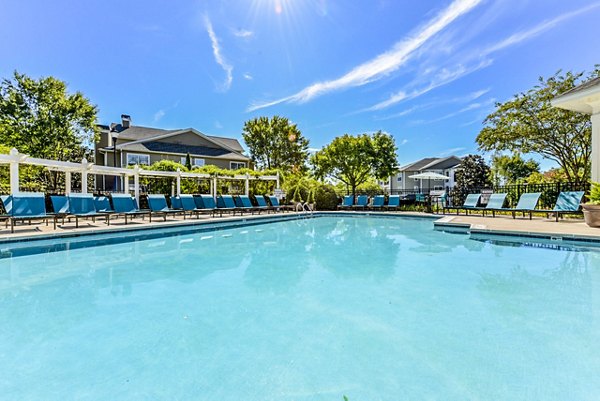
x=313, y=309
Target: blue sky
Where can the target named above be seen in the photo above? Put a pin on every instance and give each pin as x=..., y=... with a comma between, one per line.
x=427, y=72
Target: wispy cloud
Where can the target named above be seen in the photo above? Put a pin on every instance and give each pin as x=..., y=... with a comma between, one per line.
x=218, y=54
x=385, y=63
x=425, y=106
x=403, y=142
x=243, y=33
x=248, y=76
x=448, y=76
x=158, y=115
x=443, y=77
x=470, y=107
x=537, y=30
x=450, y=151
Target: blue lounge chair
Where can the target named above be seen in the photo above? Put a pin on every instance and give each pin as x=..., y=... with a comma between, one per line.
x=495, y=202
x=82, y=205
x=361, y=202
x=7, y=204
x=207, y=204
x=393, y=202
x=275, y=204
x=125, y=205
x=347, y=203
x=567, y=203
x=527, y=203
x=158, y=206
x=378, y=202
x=176, y=202
x=188, y=205
x=470, y=204
x=226, y=204
x=28, y=206
x=243, y=203
x=102, y=204
x=262, y=203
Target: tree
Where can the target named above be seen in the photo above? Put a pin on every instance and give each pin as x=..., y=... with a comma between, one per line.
x=511, y=169
x=41, y=119
x=275, y=143
x=472, y=173
x=529, y=123
x=188, y=161
x=354, y=159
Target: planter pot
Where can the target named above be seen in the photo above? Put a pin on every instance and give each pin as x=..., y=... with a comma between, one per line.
x=591, y=214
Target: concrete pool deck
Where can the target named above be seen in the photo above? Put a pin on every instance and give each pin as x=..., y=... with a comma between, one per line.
x=571, y=228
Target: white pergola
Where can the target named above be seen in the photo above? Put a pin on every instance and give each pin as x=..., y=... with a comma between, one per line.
x=85, y=168
x=585, y=98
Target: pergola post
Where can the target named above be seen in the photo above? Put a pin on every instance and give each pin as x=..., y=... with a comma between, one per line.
x=84, y=175
x=214, y=194
x=14, y=171
x=136, y=183
x=178, y=181
x=247, y=184
x=67, y=182
x=126, y=183
x=596, y=147
x=277, y=187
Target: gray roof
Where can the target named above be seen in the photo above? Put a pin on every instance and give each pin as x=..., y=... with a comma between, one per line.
x=165, y=147
x=580, y=88
x=416, y=166
x=138, y=133
x=432, y=163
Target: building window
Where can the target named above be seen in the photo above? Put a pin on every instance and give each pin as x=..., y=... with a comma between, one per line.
x=399, y=179
x=198, y=162
x=136, y=158
x=183, y=160
x=237, y=165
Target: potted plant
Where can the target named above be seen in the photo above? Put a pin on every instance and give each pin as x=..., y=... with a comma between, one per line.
x=591, y=209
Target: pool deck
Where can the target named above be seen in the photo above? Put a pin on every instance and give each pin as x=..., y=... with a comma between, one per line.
x=505, y=225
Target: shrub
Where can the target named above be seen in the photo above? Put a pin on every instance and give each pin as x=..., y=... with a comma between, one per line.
x=325, y=197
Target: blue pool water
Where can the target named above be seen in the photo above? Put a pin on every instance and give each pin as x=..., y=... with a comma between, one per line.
x=316, y=309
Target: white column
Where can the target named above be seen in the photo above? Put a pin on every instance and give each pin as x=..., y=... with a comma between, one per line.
x=67, y=182
x=247, y=184
x=214, y=194
x=136, y=183
x=84, y=175
x=14, y=171
x=178, y=182
x=596, y=147
x=277, y=181
x=126, y=183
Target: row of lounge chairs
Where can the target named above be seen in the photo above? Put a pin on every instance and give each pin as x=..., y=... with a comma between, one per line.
x=377, y=203
x=31, y=206
x=567, y=203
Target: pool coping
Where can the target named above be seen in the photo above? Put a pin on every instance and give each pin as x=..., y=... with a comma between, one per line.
x=447, y=224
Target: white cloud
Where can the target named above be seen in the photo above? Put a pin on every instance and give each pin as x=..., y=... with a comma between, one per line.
x=243, y=33
x=385, y=63
x=443, y=77
x=158, y=115
x=537, y=30
x=450, y=151
x=218, y=54
x=470, y=107
x=248, y=76
x=403, y=142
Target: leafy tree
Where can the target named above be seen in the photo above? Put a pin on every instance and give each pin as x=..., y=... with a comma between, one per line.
x=353, y=160
x=275, y=143
x=188, y=162
x=529, y=123
x=41, y=119
x=472, y=172
x=512, y=169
